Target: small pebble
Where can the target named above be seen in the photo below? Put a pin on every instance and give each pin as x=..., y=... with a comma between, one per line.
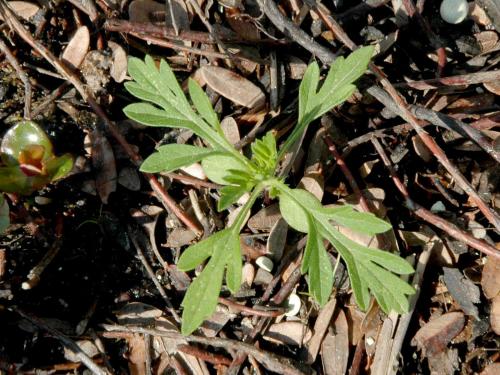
x=248, y=273
x=454, y=11
x=438, y=207
x=42, y=201
x=293, y=305
x=265, y=263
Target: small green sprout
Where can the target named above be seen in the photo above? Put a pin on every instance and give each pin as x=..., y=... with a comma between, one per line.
x=372, y=271
x=27, y=160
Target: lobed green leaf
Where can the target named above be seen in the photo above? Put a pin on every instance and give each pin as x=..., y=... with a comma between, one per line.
x=174, y=156
x=202, y=104
x=218, y=167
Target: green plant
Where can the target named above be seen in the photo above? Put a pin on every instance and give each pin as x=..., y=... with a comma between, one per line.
x=165, y=105
x=28, y=160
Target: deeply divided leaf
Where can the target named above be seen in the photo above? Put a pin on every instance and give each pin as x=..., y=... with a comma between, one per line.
x=174, y=156
x=201, y=298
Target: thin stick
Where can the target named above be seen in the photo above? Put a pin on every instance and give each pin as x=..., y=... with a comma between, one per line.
x=66, y=341
x=149, y=270
x=289, y=29
x=251, y=311
x=162, y=195
x=271, y=361
x=458, y=80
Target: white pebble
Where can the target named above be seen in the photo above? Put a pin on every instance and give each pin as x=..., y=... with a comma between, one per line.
x=454, y=11
x=293, y=305
x=265, y=263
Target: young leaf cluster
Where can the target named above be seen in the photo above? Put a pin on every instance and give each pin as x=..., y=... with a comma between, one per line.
x=372, y=271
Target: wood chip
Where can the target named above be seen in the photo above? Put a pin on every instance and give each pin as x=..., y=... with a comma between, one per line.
x=490, y=278
x=233, y=86
x=87, y=346
x=435, y=335
x=77, y=48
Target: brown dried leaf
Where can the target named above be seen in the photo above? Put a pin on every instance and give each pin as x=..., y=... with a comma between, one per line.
x=136, y=354
x=490, y=279
x=129, y=178
x=288, y=333
x=335, y=347
x=233, y=86
x=118, y=70
x=23, y=9
x=464, y=291
x=495, y=315
x=265, y=219
x=87, y=346
x=143, y=10
x=103, y=162
x=421, y=149
x=435, y=335
x=243, y=27
x=487, y=40
x=77, y=48
x=230, y=129
x=177, y=15
x=491, y=369
x=277, y=239
x=320, y=327
x=493, y=87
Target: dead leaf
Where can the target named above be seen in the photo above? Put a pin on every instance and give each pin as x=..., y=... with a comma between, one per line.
x=297, y=67
x=103, y=162
x=129, y=178
x=490, y=278
x=77, y=48
x=230, y=129
x=335, y=347
x=265, y=218
x=435, y=335
x=143, y=10
x=288, y=333
x=421, y=149
x=87, y=346
x=487, y=40
x=277, y=240
x=478, y=15
x=495, y=315
x=464, y=291
x=118, y=70
x=491, y=369
x=23, y=9
x=233, y=86
x=138, y=313
x=243, y=27
x=179, y=237
x=320, y=327
x=177, y=15
x=493, y=87
x=136, y=354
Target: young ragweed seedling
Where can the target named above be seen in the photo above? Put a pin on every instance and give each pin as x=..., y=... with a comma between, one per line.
x=165, y=105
